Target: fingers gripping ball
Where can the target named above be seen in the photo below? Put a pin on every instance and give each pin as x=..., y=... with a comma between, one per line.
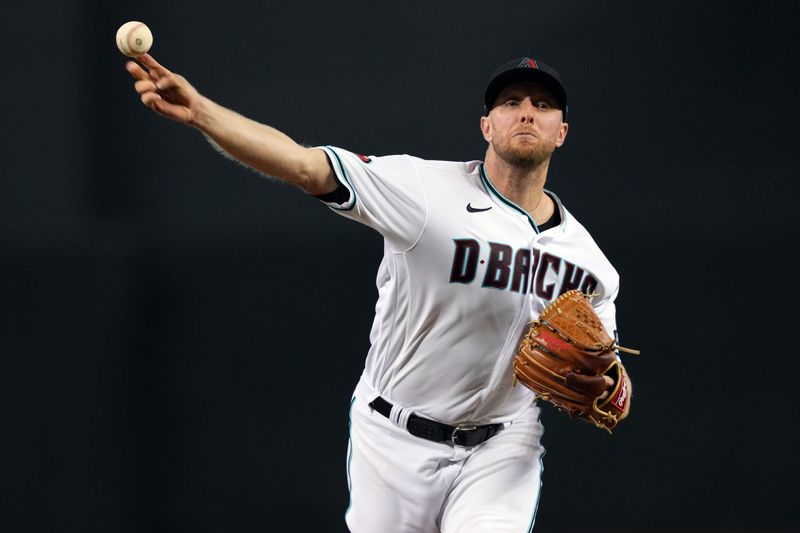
x=134, y=38
x=564, y=357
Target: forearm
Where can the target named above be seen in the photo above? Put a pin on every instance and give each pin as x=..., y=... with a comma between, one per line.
x=260, y=147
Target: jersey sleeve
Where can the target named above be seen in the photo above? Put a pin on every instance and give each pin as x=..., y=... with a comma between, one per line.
x=605, y=306
x=606, y=309
x=385, y=194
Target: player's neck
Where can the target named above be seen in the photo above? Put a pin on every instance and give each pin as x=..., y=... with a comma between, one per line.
x=523, y=186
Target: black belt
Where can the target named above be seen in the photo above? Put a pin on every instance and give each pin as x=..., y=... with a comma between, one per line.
x=428, y=429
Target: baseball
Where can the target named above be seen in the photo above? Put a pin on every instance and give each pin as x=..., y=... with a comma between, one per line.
x=134, y=38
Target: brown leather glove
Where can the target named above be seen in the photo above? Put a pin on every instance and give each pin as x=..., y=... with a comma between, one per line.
x=564, y=357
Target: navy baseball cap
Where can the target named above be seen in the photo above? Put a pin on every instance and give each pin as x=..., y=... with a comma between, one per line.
x=524, y=69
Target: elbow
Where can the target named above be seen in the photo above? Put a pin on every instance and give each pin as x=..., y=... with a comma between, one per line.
x=303, y=177
x=314, y=175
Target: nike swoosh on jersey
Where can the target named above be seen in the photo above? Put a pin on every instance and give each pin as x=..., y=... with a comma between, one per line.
x=476, y=209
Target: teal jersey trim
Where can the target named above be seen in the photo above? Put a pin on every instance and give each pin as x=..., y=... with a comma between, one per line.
x=349, y=457
x=539, y=494
x=343, y=173
x=505, y=200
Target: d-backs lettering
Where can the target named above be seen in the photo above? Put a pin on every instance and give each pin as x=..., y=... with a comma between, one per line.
x=525, y=270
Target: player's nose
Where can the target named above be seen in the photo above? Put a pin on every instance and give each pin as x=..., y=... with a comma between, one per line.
x=526, y=109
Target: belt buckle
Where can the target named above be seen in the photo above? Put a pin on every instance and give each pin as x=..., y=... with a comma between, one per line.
x=455, y=434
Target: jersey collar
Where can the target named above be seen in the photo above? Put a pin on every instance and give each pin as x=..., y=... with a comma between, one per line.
x=499, y=196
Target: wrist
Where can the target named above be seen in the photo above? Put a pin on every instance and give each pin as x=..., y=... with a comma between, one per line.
x=201, y=116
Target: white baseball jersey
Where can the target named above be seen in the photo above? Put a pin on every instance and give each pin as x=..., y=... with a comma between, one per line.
x=464, y=269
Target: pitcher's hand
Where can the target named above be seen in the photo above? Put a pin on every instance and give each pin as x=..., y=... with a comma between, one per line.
x=166, y=93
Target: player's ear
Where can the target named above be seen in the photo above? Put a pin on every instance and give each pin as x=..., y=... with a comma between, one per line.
x=486, y=128
x=562, y=134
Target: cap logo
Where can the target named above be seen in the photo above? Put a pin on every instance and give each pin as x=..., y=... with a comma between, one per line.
x=530, y=63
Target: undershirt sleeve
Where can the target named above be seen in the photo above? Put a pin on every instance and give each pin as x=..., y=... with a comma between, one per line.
x=340, y=195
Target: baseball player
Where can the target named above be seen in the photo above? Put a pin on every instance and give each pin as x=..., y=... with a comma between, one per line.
x=440, y=439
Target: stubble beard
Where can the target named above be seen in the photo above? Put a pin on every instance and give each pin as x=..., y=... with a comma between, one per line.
x=523, y=157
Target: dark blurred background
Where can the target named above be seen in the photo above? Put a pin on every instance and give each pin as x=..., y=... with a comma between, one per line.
x=180, y=336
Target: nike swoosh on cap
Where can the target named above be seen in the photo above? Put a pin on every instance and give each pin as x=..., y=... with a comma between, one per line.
x=476, y=209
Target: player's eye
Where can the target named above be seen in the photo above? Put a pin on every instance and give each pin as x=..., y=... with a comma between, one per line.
x=541, y=104
x=512, y=102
